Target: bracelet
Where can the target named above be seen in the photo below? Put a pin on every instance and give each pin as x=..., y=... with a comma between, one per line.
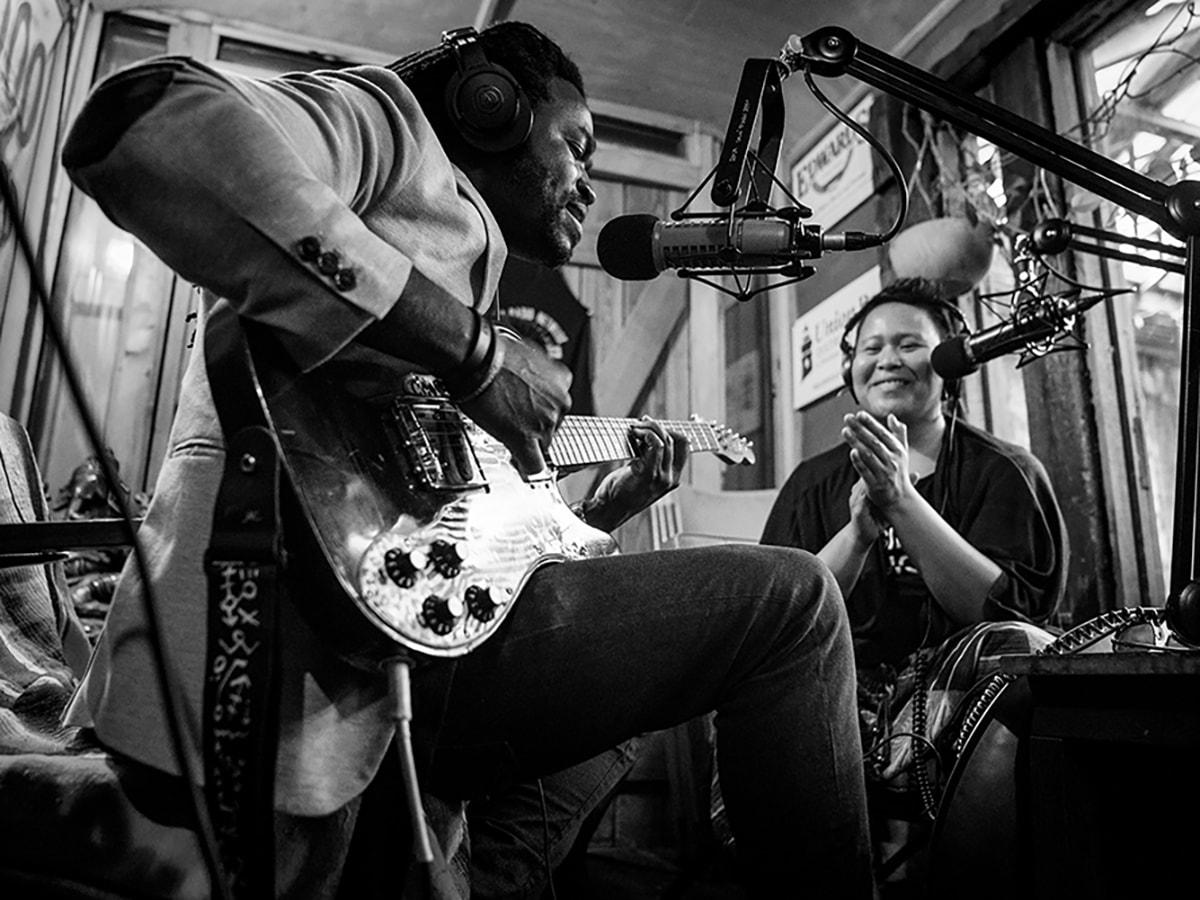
x=495, y=363
x=475, y=374
x=481, y=344
x=580, y=508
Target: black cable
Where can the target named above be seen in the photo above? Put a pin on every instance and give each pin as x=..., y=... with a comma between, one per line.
x=172, y=694
x=878, y=146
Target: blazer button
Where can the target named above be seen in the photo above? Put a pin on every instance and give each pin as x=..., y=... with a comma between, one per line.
x=308, y=248
x=329, y=262
x=345, y=279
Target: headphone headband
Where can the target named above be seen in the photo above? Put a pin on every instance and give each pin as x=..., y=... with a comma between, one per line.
x=463, y=44
x=954, y=316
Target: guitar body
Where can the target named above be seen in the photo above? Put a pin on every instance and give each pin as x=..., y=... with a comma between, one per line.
x=420, y=516
x=446, y=579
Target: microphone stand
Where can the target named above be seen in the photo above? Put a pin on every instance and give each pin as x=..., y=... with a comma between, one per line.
x=1052, y=236
x=835, y=51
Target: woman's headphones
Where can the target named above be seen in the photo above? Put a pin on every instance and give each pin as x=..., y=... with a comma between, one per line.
x=484, y=102
x=946, y=315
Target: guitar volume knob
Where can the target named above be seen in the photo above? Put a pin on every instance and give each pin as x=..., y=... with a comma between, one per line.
x=401, y=567
x=439, y=614
x=445, y=558
x=480, y=604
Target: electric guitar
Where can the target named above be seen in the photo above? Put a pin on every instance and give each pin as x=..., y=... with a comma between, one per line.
x=419, y=514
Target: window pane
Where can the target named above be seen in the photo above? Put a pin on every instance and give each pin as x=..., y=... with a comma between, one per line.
x=260, y=59
x=1148, y=118
x=747, y=391
x=108, y=290
x=126, y=40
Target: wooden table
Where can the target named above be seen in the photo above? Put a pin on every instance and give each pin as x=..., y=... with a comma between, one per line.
x=1114, y=774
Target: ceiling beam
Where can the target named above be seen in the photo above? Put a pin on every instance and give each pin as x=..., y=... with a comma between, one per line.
x=492, y=11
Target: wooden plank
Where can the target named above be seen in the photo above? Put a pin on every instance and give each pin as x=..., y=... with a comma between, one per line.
x=628, y=361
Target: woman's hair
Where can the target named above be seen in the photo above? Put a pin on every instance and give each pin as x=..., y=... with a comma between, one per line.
x=925, y=294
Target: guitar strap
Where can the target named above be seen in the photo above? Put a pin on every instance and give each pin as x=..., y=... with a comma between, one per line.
x=245, y=570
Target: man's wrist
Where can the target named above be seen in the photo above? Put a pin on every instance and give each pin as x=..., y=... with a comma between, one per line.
x=475, y=374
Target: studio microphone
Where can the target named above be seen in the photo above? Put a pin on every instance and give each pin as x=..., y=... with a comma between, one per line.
x=1041, y=319
x=637, y=247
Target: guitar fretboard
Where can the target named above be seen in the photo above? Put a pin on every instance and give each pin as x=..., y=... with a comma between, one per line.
x=588, y=440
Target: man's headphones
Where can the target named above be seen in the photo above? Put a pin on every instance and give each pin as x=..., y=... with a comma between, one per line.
x=484, y=101
x=946, y=315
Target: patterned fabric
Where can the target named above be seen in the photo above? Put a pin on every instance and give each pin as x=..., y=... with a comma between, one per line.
x=41, y=640
x=946, y=676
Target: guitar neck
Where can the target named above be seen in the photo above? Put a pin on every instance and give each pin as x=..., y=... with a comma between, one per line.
x=590, y=440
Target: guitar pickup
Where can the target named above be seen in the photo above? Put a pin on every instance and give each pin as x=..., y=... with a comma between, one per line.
x=431, y=436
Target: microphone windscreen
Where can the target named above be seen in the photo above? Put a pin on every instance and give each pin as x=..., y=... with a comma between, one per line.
x=951, y=360
x=625, y=247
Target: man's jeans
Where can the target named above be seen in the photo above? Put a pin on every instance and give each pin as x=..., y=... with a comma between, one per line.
x=517, y=838
x=598, y=651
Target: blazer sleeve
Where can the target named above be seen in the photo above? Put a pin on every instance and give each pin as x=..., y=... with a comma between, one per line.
x=253, y=189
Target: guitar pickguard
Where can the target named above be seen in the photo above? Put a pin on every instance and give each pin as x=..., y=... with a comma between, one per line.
x=444, y=585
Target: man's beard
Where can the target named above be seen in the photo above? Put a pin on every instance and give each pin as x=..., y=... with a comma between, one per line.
x=538, y=235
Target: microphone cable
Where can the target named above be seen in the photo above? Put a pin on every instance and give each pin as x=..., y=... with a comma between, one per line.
x=876, y=145
x=172, y=693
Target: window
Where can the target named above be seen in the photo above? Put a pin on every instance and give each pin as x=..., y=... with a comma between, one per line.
x=1143, y=101
x=108, y=289
x=127, y=318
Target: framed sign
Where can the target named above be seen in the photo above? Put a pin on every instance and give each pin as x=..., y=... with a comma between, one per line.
x=816, y=335
x=838, y=173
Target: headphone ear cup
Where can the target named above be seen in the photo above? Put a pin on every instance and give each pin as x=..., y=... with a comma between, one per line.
x=957, y=327
x=486, y=103
x=848, y=371
x=848, y=349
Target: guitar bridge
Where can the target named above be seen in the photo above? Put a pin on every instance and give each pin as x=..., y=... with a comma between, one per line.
x=432, y=438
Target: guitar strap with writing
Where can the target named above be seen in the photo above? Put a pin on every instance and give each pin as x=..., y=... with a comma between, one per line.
x=245, y=567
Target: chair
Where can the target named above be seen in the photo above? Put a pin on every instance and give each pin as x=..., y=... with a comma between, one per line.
x=693, y=517
x=67, y=826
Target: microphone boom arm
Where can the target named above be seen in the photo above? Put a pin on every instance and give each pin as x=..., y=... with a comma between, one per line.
x=834, y=51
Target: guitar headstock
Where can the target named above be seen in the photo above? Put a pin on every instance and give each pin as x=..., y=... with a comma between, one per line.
x=732, y=448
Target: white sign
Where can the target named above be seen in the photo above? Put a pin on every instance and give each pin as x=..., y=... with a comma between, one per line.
x=837, y=174
x=816, y=336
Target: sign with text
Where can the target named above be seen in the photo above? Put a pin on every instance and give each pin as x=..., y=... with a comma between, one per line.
x=838, y=173
x=816, y=336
